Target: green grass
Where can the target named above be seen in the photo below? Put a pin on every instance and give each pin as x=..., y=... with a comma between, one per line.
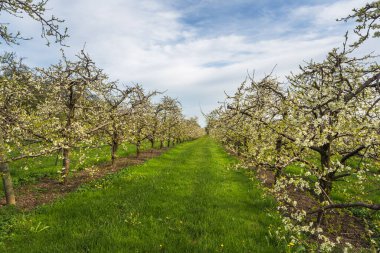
x=186, y=200
x=30, y=170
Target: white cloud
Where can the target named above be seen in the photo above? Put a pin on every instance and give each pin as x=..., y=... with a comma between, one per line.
x=146, y=42
x=326, y=14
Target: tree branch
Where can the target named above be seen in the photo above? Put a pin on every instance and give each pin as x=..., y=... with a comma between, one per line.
x=375, y=207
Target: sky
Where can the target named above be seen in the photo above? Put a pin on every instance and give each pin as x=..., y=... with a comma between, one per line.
x=195, y=50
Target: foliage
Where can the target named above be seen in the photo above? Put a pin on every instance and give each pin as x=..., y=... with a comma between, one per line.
x=319, y=122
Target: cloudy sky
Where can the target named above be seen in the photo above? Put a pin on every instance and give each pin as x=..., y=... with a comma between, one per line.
x=194, y=49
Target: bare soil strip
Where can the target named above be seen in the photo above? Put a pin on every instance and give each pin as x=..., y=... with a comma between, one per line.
x=47, y=189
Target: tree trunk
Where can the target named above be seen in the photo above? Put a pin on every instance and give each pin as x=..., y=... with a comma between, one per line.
x=66, y=164
x=161, y=144
x=278, y=150
x=152, y=143
x=8, y=185
x=115, y=144
x=277, y=175
x=57, y=158
x=245, y=144
x=138, y=148
x=6, y=175
x=238, y=148
x=114, y=148
x=168, y=142
x=326, y=182
x=66, y=132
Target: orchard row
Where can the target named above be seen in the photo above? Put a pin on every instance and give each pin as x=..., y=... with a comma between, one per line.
x=318, y=132
x=72, y=105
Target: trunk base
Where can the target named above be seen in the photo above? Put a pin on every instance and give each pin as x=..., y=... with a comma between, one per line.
x=8, y=184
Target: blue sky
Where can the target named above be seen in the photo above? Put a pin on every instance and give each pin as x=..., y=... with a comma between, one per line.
x=194, y=49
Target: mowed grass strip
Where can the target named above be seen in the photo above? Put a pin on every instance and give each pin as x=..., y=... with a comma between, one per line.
x=186, y=200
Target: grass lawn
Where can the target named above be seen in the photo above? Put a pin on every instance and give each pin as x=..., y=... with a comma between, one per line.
x=186, y=200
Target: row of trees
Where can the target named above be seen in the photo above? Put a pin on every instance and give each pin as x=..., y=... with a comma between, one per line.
x=325, y=119
x=73, y=104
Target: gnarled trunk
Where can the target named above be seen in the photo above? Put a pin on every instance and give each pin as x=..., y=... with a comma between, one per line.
x=325, y=182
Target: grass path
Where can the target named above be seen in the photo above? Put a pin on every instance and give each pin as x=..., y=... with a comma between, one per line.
x=183, y=201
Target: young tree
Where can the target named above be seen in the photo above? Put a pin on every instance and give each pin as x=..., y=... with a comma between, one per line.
x=170, y=115
x=156, y=128
x=50, y=28
x=120, y=107
x=259, y=110
x=140, y=120
x=72, y=104
x=337, y=114
x=19, y=136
